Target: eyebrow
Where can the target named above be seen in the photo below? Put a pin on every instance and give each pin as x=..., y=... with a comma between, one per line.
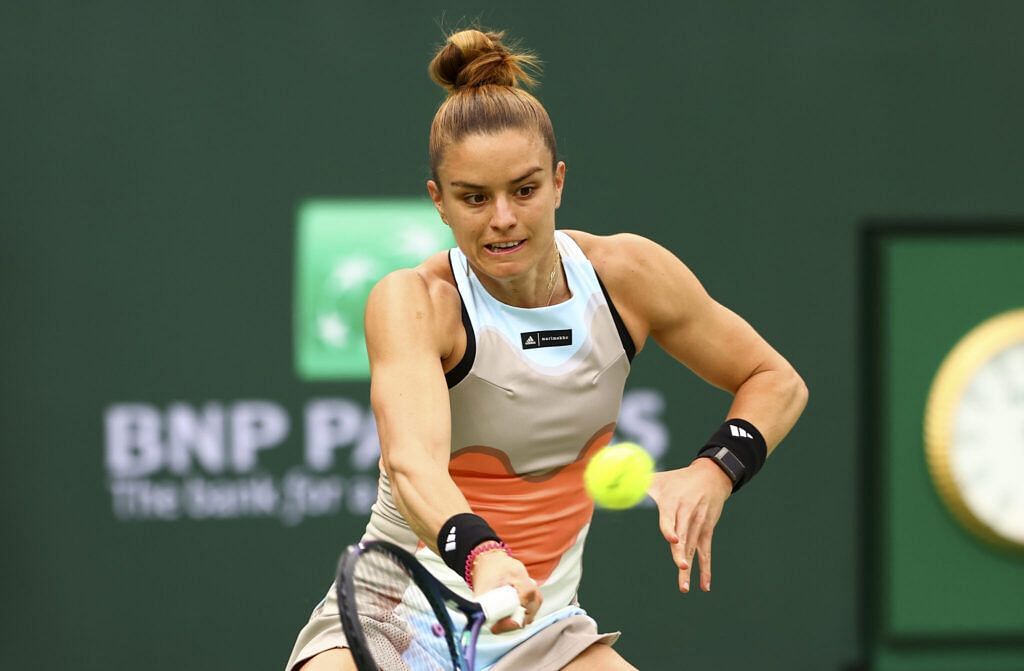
x=467, y=185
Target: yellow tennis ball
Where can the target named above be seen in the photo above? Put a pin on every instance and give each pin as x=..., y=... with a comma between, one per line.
x=618, y=476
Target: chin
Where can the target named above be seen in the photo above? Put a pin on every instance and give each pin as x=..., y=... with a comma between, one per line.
x=501, y=269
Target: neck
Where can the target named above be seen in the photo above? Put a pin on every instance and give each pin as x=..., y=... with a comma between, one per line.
x=542, y=287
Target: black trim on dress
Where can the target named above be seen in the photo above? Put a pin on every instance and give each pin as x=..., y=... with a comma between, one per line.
x=627, y=340
x=461, y=370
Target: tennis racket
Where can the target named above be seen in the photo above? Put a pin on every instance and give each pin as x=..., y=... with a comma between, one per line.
x=398, y=617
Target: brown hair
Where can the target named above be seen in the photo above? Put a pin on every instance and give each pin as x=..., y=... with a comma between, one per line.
x=482, y=77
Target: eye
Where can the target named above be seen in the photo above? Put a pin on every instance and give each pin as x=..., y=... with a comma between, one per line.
x=526, y=190
x=474, y=198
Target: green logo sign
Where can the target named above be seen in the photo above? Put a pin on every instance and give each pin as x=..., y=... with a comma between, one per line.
x=343, y=248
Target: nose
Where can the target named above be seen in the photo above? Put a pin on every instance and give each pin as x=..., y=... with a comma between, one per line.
x=503, y=217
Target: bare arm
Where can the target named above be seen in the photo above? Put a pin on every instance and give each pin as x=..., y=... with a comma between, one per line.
x=720, y=347
x=410, y=401
x=658, y=295
x=406, y=342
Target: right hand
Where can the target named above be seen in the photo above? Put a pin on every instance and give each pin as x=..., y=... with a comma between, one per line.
x=497, y=568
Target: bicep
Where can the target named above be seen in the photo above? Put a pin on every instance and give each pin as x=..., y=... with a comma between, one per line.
x=705, y=336
x=407, y=386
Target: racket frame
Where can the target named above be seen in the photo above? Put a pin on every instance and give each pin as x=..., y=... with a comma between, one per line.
x=437, y=594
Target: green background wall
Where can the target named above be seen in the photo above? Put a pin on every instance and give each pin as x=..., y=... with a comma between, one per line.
x=929, y=288
x=154, y=159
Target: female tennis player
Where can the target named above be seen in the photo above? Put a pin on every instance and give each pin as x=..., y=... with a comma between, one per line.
x=497, y=371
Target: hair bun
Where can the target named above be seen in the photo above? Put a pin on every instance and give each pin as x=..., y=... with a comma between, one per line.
x=473, y=58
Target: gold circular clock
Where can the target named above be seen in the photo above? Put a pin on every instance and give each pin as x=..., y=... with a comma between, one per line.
x=974, y=430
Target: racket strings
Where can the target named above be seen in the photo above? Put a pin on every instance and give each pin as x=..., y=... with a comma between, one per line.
x=400, y=627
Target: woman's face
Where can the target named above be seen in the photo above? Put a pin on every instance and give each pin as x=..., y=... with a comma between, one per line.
x=498, y=194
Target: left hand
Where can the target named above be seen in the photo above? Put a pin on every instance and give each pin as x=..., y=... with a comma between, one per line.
x=690, y=502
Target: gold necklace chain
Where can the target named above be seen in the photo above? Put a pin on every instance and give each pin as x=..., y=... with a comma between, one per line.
x=551, y=278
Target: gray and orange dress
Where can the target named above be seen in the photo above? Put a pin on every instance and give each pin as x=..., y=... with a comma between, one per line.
x=535, y=396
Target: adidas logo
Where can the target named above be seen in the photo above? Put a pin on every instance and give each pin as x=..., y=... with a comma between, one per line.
x=554, y=338
x=738, y=432
x=449, y=543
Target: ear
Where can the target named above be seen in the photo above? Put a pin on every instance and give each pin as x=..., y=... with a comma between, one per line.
x=559, y=180
x=435, y=195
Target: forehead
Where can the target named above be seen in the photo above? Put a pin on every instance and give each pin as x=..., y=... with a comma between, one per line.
x=493, y=158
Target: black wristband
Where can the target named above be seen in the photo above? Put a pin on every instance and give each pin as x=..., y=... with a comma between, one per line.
x=739, y=449
x=459, y=535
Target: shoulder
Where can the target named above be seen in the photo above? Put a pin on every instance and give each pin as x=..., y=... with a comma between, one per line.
x=644, y=279
x=430, y=282
x=409, y=299
x=629, y=261
x=616, y=256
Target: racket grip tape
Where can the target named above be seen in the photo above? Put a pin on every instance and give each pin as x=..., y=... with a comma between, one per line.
x=501, y=603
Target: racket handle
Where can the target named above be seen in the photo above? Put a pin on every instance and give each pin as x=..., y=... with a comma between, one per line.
x=501, y=603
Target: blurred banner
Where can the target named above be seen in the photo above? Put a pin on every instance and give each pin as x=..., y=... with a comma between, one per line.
x=343, y=248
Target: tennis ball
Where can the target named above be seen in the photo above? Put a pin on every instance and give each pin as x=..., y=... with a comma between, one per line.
x=618, y=476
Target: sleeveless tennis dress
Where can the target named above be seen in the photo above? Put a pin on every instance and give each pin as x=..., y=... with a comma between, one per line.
x=536, y=394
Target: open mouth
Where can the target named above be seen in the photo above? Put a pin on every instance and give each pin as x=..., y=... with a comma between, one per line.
x=504, y=247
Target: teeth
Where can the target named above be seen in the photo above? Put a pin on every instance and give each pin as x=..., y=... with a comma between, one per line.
x=503, y=245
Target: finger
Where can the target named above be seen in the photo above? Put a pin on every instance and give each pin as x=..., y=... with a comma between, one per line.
x=667, y=523
x=689, y=543
x=704, y=547
x=532, y=607
x=682, y=529
x=686, y=564
x=684, y=575
x=691, y=535
x=531, y=599
x=679, y=556
x=704, y=557
x=694, y=531
x=503, y=625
